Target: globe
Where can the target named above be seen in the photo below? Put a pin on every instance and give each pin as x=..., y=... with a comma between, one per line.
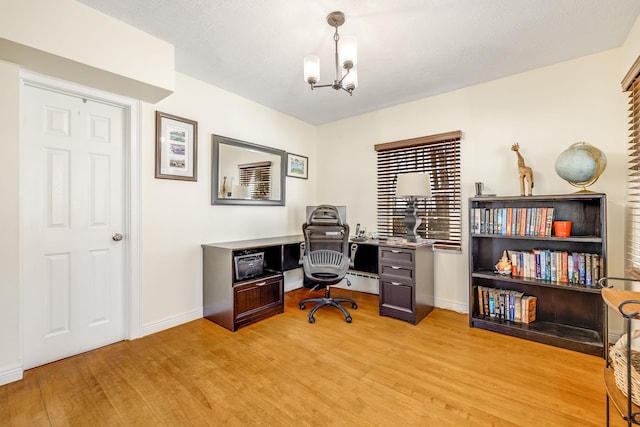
x=581, y=165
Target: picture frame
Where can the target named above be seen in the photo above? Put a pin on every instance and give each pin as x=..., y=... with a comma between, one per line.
x=176, y=147
x=297, y=166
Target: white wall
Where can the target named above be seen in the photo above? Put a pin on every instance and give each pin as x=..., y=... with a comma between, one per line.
x=71, y=41
x=631, y=47
x=177, y=215
x=545, y=111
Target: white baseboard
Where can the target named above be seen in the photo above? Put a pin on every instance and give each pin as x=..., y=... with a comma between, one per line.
x=361, y=282
x=170, y=322
x=293, y=279
x=10, y=373
x=456, y=306
x=291, y=285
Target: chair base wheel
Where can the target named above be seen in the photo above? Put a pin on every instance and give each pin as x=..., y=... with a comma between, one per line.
x=328, y=301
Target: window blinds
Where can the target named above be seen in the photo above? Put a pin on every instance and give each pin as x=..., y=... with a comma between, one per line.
x=631, y=83
x=441, y=215
x=257, y=177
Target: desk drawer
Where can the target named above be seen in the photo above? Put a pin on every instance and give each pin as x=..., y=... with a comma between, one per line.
x=396, y=297
x=395, y=256
x=397, y=272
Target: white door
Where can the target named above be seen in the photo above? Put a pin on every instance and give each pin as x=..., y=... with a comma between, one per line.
x=72, y=213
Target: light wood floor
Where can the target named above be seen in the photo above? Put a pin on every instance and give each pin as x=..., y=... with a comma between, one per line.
x=284, y=371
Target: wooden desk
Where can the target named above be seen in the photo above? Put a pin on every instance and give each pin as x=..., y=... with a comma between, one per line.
x=233, y=303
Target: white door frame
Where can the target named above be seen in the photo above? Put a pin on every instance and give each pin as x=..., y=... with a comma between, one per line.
x=131, y=168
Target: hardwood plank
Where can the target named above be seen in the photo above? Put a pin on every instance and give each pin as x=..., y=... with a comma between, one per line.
x=21, y=403
x=376, y=371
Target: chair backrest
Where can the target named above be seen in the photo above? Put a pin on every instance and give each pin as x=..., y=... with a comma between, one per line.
x=326, y=244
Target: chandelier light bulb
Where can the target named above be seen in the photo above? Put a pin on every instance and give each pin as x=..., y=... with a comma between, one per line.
x=311, y=69
x=350, y=80
x=348, y=52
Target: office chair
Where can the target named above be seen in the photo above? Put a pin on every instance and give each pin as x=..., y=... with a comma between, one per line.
x=325, y=257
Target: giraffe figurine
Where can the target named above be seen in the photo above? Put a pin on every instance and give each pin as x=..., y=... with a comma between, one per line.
x=526, y=173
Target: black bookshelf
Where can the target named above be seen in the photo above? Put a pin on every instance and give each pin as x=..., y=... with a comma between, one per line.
x=568, y=315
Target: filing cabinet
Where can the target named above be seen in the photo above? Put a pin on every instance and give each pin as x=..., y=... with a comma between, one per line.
x=406, y=281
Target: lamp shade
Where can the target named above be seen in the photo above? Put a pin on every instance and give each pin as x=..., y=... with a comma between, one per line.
x=414, y=184
x=240, y=192
x=350, y=81
x=311, y=69
x=348, y=52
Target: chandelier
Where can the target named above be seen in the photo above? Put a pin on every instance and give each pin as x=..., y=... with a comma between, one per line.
x=345, y=58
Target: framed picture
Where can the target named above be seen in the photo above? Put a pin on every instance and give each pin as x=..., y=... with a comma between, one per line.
x=176, y=147
x=297, y=166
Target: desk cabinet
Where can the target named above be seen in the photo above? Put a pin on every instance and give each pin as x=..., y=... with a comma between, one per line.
x=406, y=281
x=233, y=303
x=257, y=299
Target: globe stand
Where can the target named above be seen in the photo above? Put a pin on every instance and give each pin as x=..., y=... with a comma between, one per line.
x=583, y=188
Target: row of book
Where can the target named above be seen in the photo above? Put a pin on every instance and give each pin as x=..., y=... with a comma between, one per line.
x=577, y=268
x=531, y=222
x=507, y=304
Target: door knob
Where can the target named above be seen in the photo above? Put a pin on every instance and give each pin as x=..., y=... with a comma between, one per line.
x=117, y=237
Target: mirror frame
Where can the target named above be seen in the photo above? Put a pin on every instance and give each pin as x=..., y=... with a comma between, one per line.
x=215, y=167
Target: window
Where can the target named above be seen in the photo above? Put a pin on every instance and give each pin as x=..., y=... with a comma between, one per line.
x=631, y=83
x=441, y=215
x=257, y=177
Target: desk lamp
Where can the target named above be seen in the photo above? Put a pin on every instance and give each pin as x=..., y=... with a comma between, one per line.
x=411, y=187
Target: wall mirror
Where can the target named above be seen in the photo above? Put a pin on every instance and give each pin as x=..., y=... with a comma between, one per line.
x=247, y=174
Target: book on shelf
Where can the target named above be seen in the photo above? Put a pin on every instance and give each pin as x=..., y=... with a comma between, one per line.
x=538, y=217
x=577, y=268
x=595, y=265
x=485, y=300
x=523, y=221
x=502, y=304
x=581, y=269
x=543, y=222
x=529, y=306
x=564, y=267
x=475, y=221
x=512, y=221
x=492, y=305
x=549, y=221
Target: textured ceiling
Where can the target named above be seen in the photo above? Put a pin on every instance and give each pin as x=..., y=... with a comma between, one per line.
x=407, y=49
